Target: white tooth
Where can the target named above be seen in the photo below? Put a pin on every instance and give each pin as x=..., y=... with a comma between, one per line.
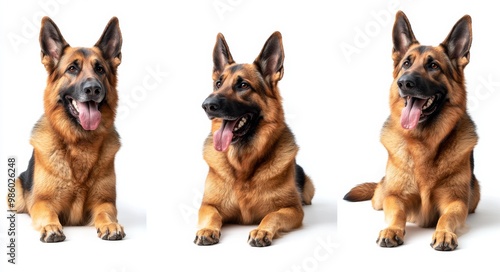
x=241, y=123
x=428, y=103
x=74, y=104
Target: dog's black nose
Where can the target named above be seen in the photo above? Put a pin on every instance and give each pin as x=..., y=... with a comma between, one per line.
x=93, y=90
x=407, y=83
x=212, y=104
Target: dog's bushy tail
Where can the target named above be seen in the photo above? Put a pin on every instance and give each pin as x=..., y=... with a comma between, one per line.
x=361, y=192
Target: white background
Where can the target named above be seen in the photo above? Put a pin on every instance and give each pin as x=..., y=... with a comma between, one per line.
x=335, y=102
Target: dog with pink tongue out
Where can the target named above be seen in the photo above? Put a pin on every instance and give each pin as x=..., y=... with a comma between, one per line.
x=70, y=179
x=253, y=177
x=429, y=137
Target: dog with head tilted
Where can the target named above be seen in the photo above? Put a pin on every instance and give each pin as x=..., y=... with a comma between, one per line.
x=253, y=176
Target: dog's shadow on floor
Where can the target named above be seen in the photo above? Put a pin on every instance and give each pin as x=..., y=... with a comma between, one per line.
x=320, y=212
x=416, y=233
x=486, y=217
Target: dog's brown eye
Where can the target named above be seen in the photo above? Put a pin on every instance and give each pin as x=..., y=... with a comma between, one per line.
x=242, y=85
x=434, y=66
x=406, y=64
x=71, y=69
x=99, y=69
x=218, y=84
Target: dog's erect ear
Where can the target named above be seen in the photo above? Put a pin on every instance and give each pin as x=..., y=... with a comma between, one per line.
x=52, y=44
x=270, y=59
x=402, y=37
x=222, y=55
x=459, y=40
x=110, y=42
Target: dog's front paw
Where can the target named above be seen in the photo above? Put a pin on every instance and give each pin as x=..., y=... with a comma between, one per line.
x=207, y=237
x=52, y=233
x=391, y=237
x=260, y=238
x=444, y=240
x=111, y=231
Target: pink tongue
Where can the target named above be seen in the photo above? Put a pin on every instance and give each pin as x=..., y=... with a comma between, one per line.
x=224, y=136
x=411, y=113
x=90, y=116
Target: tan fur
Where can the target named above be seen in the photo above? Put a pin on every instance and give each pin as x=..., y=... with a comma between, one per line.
x=74, y=178
x=253, y=183
x=429, y=179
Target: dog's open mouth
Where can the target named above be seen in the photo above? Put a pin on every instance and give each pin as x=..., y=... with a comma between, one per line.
x=87, y=113
x=418, y=109
x=231, y=130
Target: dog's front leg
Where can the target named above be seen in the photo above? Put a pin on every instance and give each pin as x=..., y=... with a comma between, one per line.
x=210, y=224
x=46, y=220
x=453, y=215
x=395, y=216
x=105, y=220
x=284, y=219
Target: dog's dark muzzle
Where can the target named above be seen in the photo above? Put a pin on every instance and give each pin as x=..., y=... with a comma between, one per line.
x=422, y=98
x=212, y=105
x=415, y=85
x=218, y=106
x=91, y=90
x=410, y=85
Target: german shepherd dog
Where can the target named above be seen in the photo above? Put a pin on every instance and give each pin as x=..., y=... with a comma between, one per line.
x=429, y=137
x=253, y=177
x=70, y=178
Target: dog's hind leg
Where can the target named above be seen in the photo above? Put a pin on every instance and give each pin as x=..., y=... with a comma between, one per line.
x=304, y=185
x=19, y=199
